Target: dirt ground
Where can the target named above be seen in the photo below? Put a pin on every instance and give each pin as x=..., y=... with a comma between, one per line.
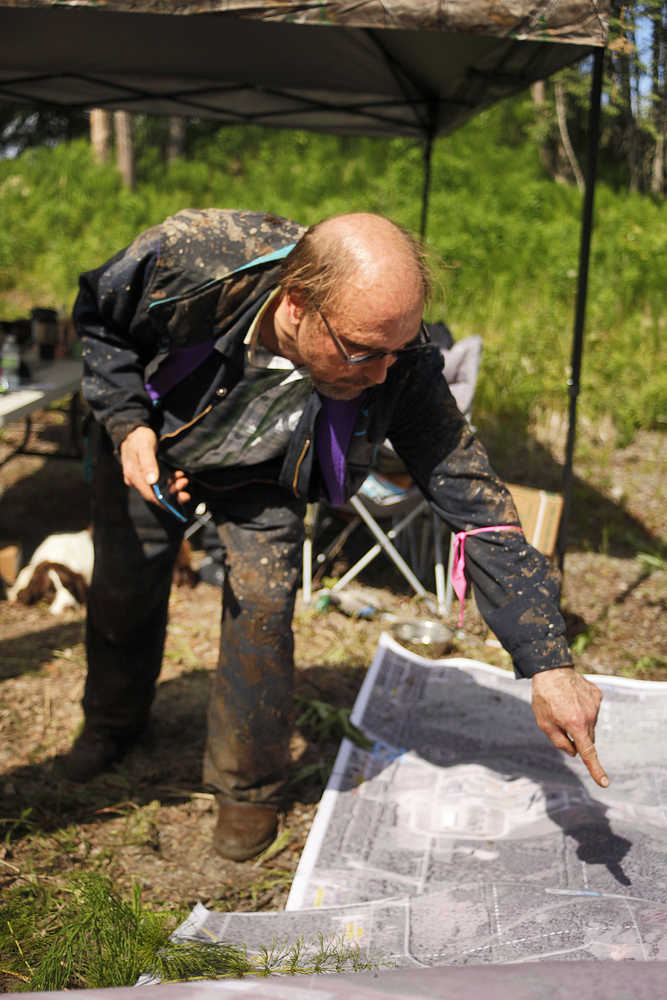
x=149, y=819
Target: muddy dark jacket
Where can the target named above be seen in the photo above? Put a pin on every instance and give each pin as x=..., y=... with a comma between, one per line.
x=186, y=282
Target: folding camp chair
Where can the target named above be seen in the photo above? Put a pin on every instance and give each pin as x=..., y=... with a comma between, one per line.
x=394, y=498
x=378, y=499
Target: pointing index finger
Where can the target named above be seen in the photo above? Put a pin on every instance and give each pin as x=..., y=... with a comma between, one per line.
x=590, y=758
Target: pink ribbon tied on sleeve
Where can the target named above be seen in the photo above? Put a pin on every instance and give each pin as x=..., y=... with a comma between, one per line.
x=458, y=576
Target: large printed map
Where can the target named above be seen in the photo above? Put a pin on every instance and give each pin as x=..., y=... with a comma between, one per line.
x=462, y=837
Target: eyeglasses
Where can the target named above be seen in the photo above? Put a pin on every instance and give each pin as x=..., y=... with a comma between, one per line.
x=418, y=344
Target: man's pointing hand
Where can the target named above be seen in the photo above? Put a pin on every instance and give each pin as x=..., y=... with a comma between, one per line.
x=566, y=707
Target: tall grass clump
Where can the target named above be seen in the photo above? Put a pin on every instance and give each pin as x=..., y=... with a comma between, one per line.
x=84, y=934
x=508, y=237
x=80, y=934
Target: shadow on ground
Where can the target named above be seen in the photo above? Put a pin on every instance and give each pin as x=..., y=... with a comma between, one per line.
x=29, y=651
x=597, y=523
x=166, y=761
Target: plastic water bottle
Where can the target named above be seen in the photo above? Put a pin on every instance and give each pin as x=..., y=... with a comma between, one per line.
x=348, y=602
x=11, y=361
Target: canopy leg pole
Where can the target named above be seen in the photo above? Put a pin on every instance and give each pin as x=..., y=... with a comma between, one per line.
x=582, y=290
x=426, y=187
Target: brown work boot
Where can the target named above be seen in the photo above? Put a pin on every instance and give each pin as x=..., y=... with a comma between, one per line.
x=244, y=829
x=93, y=751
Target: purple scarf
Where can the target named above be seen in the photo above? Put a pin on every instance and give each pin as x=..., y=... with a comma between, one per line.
x=177, y=366
x=334, y=430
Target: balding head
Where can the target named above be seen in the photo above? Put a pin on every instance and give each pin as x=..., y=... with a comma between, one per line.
x=359, y=254
x=352, y=288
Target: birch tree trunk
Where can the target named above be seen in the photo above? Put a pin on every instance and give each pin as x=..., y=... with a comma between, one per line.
x=176, y=140
x=100, y=134
x=124, y=147
x=659, y=98
x=561, y=111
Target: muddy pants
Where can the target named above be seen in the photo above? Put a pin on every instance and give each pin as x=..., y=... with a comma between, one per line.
x=250, y=711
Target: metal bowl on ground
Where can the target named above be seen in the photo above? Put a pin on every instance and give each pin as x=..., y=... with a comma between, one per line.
x=426, y=638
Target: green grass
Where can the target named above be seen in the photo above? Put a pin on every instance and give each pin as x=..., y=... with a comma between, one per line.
x=647, y=667
x=78, y=933
x=508, y=236
x=81, y=933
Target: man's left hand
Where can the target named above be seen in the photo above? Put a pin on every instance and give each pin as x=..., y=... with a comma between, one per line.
x=566, y=707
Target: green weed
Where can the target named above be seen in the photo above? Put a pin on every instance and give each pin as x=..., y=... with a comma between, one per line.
x=322, y=722
x=650, y=562
x=582, y=641
x=277, y=879
x=318, y=770
x=183, y=961
x=16, y=826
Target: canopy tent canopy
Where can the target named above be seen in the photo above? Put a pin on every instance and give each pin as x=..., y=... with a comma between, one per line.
x=374, y=67
x=415, y=68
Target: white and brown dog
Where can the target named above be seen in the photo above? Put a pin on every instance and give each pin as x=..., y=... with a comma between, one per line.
x=60, y=571
x=61, y=568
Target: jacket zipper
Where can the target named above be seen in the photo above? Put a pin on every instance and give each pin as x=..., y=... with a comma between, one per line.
x=295, y=481
x=184, y=427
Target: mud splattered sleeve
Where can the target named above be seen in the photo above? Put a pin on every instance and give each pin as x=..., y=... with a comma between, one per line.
x=117, y=342
x=516, y=587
